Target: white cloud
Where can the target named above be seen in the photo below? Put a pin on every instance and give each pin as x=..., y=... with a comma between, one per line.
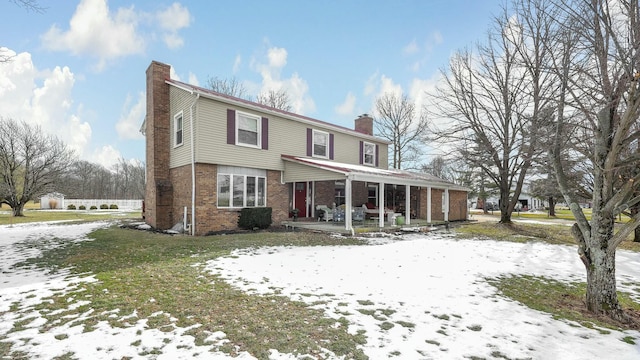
x=43, y=98
x=106, y=156
x=277, y=57
x=424, y=51
x=347, y=107
x=171, y=20
x=296, y=88
x=173, y=75
x=128, y=126
x=193, y=79
x=371, y=84
x=411, y=48
x=236, y=63
x=96, y=31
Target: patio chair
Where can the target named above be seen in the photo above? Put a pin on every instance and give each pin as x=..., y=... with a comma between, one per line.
x=325, y=213
x=358, y=214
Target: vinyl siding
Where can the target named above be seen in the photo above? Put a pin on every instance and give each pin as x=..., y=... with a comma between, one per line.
x=299, y=172
x=284, y=137
x=180, y=101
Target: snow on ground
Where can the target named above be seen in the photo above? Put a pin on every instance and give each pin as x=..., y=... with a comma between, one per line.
x=424, y=297
x=25, y=288
x=432, y=289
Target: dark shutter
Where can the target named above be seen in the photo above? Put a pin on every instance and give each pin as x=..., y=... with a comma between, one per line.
x=377, y=152
x=265, y=133
x=231, y=126
x=361, y=158
x=309, y=142
x=331, y=146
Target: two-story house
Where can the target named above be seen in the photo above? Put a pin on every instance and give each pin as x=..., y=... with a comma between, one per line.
x=209, y=155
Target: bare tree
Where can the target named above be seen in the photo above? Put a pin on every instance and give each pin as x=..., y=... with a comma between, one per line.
x=597, y=58
x=278, y=99
x=29, y=5
x=398, y=121
x=231, y=87
x=30, y=163
x=497, y=106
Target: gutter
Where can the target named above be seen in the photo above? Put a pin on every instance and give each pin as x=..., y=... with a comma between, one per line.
x=192, y=228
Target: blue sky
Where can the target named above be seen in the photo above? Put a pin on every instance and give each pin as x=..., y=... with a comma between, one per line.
x=79, y=66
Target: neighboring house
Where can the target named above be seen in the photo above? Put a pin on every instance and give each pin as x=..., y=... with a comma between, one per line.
x=210, y=155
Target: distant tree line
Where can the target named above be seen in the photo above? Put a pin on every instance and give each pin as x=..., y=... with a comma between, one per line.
x=87, y=180
x=33, y=163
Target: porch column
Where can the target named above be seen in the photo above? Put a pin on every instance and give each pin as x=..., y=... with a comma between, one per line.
x=347, y=204
x=381, y=213
x=293, y=192
x=407, y=205
x=428, y=204
x=445, y=205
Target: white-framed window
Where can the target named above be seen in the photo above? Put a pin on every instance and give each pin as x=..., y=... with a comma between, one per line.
x=369, y=154
x=372, y=194
x=241, y=187
x=320, y=144
x=178, y=132
x=248, y=129
x=339, y=193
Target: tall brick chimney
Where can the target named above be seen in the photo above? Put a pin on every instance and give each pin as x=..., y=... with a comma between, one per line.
x=364, y=124
x=158, y=189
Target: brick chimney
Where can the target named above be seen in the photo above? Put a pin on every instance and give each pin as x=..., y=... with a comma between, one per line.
x=158, y=188
x=364, y=124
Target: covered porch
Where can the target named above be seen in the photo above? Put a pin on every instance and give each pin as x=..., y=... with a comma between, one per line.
x=385, y=196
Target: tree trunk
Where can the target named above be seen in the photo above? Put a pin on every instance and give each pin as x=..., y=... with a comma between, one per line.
x=601, y=285
x=552, y=206
x=18, y=209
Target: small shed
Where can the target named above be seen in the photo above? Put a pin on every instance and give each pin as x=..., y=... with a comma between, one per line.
x=52, y=200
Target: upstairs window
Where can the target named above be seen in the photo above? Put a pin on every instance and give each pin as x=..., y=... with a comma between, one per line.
x=369, y=154
x=320, y=144
x=248, y=129
x=177, y=128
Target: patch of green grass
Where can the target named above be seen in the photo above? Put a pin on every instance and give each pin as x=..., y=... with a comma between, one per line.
x=629, y=340
x=406, y=324
x=365, y=302
x=432, y=342
x=387, y=312
x=147, y=273
x=474, y=327
x=66, y=215
x=561, y=300
x=61, y=336
x=66, y=356
x=442, y=317
x=554, y=234
x=386, y=325
x=521, y=233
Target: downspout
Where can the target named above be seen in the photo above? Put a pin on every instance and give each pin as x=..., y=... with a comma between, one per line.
x=192, y=228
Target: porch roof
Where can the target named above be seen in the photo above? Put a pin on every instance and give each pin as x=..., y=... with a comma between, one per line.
x=319, y=169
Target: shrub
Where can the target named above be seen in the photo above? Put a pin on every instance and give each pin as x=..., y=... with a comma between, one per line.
x=82, y=207
x=252, y=218
x=71, y=207
x=113, y=206
x=104, y=206
x=93, y=207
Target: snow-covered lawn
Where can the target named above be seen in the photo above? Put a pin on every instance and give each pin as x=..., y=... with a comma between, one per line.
x=421, y=297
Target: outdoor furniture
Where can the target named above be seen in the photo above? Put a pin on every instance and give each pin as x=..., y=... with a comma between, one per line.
x=358, y=214
x=325, y=213
x=338, y=214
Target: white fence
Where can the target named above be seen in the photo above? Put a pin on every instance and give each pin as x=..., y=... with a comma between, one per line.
x=88, y=203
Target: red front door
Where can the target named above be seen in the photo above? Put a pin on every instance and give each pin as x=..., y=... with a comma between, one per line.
x=300, y=198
